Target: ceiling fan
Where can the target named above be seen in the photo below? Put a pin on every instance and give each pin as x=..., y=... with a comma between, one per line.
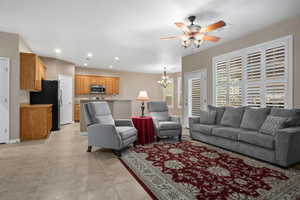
x=195, y=34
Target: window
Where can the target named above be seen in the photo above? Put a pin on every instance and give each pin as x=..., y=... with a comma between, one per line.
x=179, y=92
x=259, y=76
x=195, y=98
x=168, y=94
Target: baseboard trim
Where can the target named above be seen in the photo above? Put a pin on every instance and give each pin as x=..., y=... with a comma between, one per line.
x=14, y=141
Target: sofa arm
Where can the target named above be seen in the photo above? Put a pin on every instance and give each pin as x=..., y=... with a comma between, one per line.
x=123, y=122
x=287, y=146
x=175, y=119
x=104, y=135
x=193, y=120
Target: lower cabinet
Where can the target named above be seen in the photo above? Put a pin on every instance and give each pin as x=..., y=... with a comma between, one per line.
x=77, y=113
x=35, y=121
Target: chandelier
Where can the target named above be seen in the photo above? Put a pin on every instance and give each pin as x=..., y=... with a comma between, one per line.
x=165, y=80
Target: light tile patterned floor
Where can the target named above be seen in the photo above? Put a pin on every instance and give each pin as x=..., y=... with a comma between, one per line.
x=60, y=168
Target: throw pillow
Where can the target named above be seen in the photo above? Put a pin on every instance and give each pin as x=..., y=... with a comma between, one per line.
x=232, y=116
x=292, y=115
x=219, y=110
x=272, y=124
x=207, y=117
x=254, y=118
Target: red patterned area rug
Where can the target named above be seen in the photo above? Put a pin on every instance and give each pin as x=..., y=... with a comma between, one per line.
x=193, y=170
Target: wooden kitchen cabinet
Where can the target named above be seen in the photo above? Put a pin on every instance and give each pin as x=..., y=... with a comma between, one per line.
x=77, y=113
x=35, y=121
x=112, y=85
x=32, y=72
x=84, y=82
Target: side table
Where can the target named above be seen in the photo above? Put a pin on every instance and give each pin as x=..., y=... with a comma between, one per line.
x=144, y=126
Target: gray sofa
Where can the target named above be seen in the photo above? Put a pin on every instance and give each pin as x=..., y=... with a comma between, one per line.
x=104, y=131
x=164, y=124
x=238, y=129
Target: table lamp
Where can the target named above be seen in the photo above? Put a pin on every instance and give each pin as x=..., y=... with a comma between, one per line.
x=143, y=96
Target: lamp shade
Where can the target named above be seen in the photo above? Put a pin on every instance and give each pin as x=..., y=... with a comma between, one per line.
x=143, y=96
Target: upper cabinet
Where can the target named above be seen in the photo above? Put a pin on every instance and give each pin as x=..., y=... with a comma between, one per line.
x=32, y=72
x=84, y=82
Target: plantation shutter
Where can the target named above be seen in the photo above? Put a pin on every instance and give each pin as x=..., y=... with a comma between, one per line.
x=196, y=101
x=235, y=78
x=221, y=83
x=258, y=76
x=276, y=72
x=253, y=78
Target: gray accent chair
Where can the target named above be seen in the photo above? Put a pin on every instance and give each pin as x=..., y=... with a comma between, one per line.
x=238, y=129
x=164, y=124
x=104, y=131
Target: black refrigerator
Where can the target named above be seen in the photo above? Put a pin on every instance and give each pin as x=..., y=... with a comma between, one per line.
x=49, y=95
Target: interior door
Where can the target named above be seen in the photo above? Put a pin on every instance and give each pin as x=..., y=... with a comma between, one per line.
x=195, y=94
x=66, y=99
x=4, y=100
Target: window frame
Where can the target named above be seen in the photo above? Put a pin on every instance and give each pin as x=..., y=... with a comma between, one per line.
x=163, y=91
x=288, y=79
x=179, y=91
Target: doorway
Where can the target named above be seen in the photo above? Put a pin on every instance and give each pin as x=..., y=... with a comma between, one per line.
x=195, y=93
x=66, y=99
x=4, y=100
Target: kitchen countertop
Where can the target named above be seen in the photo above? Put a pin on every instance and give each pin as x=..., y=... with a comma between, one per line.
x=110, y=100
x=26, y=105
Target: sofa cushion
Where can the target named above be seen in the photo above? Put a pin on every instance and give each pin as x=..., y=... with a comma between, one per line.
x=253, y=118
x=232, y=116
x=101, y=113
x=203, y=128
x=256, y=138
x=220, y=112
x=168, y=125
x=293, y=115
x=227, y=132
x=272, y=124
x=207, y=117
x=126, y=132
x=160, y=116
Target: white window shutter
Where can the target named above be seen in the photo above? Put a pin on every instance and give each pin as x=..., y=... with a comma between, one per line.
x=258, y=76
x=196, y=101
x=235, y=78
x=253, y=78
x=221, y=83
x=276, y=75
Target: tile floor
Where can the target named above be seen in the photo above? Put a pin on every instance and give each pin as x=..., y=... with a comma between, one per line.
x=60, y=168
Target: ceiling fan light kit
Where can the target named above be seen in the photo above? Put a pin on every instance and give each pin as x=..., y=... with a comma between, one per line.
x=194, y=35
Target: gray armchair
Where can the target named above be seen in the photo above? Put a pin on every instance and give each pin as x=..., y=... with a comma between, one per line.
x=104, y=131
x=165, y=125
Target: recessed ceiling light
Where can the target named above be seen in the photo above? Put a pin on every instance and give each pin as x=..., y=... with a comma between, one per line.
x=57, y=50
x=117, y=58
x=90, y=55
x=85, y=64
x=110, y=66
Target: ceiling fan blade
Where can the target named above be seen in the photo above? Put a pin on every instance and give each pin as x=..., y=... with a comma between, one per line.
x=210, y=38
x=170, y=37
x=213, y=27
x=182, y=26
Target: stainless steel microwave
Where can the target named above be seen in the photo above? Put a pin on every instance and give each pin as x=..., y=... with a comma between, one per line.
x=97, y=89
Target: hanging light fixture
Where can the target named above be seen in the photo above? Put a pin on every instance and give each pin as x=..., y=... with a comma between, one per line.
x=165, y=80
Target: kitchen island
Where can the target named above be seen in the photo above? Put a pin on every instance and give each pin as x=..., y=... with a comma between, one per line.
x=120, y=109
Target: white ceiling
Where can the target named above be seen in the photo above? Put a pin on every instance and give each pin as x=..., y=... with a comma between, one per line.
x=130, y=29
